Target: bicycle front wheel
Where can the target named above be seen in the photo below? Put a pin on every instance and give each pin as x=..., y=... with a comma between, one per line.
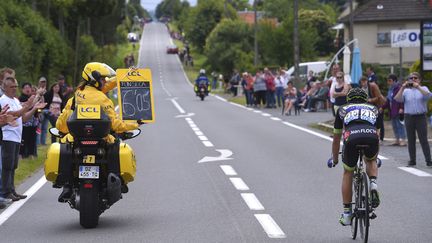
x=365, y=208
x=355, y=219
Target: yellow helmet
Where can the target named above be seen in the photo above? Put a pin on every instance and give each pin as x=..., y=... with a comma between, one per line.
x=94, y=72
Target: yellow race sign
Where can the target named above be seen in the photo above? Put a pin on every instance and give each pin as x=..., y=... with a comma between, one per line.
x=88, y=112
x=135, y=94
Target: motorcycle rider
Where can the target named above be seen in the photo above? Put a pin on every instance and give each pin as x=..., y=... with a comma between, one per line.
x=202, y=80
x=91, y=91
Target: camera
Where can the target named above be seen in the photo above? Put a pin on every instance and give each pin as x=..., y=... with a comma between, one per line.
x=410, y=85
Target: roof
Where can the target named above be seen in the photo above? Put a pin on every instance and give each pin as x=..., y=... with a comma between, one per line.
x=391, y=10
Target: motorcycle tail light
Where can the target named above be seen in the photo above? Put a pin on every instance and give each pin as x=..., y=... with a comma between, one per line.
x=88, y=185
x=89, y=142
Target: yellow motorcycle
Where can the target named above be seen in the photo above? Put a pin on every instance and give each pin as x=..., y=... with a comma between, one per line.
x=95, y=170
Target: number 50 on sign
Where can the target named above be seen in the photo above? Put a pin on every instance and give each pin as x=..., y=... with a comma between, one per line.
x=135, y=94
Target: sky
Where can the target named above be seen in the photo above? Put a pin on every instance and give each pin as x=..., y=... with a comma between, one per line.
x=151, y=4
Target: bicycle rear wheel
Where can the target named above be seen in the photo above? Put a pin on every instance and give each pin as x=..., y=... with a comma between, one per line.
x=365, y=208
x=355, y=219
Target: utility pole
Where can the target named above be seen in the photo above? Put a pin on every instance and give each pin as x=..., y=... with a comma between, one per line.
x=296, y=42
x=351, y=25
x=255, y=34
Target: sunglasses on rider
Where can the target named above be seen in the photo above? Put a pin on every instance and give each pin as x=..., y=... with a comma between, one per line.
x=413, y=78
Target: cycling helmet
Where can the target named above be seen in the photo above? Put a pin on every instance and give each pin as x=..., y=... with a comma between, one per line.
x=94, y=72
x=357, y=95
x=202, y=71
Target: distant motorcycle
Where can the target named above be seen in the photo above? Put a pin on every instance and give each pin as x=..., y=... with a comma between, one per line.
x=201, y=91
x=100, y=170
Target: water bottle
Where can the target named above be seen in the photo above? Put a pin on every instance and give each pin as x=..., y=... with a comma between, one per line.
x=379, y=162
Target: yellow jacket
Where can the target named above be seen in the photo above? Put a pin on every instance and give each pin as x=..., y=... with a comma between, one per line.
x=92, y=96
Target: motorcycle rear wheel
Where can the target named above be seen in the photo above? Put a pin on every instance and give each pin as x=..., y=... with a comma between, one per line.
x=89, y=206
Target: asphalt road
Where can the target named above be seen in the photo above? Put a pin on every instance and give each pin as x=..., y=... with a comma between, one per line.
x=212, y=171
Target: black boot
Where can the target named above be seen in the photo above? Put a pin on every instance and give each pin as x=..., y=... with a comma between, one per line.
x=66, y=194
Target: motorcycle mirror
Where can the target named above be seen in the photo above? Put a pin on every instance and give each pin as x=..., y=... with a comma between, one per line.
x=55, y=132
x=135, y=133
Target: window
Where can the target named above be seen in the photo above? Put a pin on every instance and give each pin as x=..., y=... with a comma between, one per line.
x=383, y=38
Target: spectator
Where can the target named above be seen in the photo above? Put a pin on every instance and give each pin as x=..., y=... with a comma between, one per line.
x=290, y=98
x=260, y=89
x=395, y=110
x=234, y=82
x=214, y=80
x=220, y=81
x=55, y=104
x=41, y=131
x=270, y=86
x=12, y=136
x=340, y=91
x=371, y=76
x=4, y=73
x=65, y=89
x=415, y=98
x=247, y=84
x=28, y=144
x=376, y=98
x=310, y=79
x=280, y=83
x=321, y=95
x=332, y=79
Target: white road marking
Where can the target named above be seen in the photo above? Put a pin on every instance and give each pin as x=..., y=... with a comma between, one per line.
x=203, y=138
x=257, y=111
x=252, y=201
x=207, y=143
x=195, y=129
x=188, y=119
x=187, y=115
x=199, y=133
x=178, y=106
x=270, y=226
x=225, y=155
x=266, y=114
x=275, y=118
x=239, y=184
x=228, y=170
x=415, y=171
x=220, y=98
x=7, y=213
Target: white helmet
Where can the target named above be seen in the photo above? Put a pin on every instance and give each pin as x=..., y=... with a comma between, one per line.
x=202, y=71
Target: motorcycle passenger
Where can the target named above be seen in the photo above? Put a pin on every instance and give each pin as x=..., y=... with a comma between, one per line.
x=202, y=80
x=358, y=122
x=90, y=91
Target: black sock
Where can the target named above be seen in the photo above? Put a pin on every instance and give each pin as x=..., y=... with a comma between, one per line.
x=373, y=178
x=347, y=206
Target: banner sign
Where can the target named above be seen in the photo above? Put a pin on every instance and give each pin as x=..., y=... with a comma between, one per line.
x=426, y=45
x=405, y=38
x=135, y=94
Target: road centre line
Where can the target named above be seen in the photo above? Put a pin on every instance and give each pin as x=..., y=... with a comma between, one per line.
x=415, y=171
x=207, y=144
x=178, y=106
x=270, y=226
x=7, y=213
x=239, y=184
x=195, y=129
x=228, y=170
x=203, y=138
x=199, y=133
x=252, y=201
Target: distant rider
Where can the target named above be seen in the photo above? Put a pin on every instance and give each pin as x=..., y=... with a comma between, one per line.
x=358, y=122
x=202, y=80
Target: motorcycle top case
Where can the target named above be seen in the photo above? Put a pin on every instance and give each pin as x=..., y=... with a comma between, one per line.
x=52, y=162
x=127, y=163
x=89, y=122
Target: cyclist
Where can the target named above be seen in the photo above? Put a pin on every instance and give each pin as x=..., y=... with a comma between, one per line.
x=359, y=122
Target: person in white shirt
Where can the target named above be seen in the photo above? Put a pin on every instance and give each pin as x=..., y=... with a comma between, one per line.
x=12, y=135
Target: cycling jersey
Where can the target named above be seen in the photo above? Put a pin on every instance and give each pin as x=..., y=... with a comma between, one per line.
x=360, y=123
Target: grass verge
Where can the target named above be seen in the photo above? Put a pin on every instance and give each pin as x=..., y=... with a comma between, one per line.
x=26, y=167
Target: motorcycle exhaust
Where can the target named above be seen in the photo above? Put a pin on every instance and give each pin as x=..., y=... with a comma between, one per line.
x=113, y=188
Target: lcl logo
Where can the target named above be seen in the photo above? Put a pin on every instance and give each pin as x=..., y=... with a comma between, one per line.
x=134, y=73
x=88, y=109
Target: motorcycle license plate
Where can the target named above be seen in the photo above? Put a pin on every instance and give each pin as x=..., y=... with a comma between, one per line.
x=88, y=172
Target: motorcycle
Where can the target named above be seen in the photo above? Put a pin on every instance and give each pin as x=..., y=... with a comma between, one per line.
x=96, y=171
x=201, y=91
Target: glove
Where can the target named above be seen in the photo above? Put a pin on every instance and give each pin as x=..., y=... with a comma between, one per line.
x=331, y=163
x=140, y=122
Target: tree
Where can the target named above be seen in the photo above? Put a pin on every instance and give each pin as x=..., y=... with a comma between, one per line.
x=202, y=19
x=229, y=46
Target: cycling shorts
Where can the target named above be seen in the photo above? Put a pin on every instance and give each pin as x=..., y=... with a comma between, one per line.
x=361, y=134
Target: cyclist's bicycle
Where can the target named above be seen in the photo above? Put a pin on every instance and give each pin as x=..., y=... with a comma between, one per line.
x=362, y=208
